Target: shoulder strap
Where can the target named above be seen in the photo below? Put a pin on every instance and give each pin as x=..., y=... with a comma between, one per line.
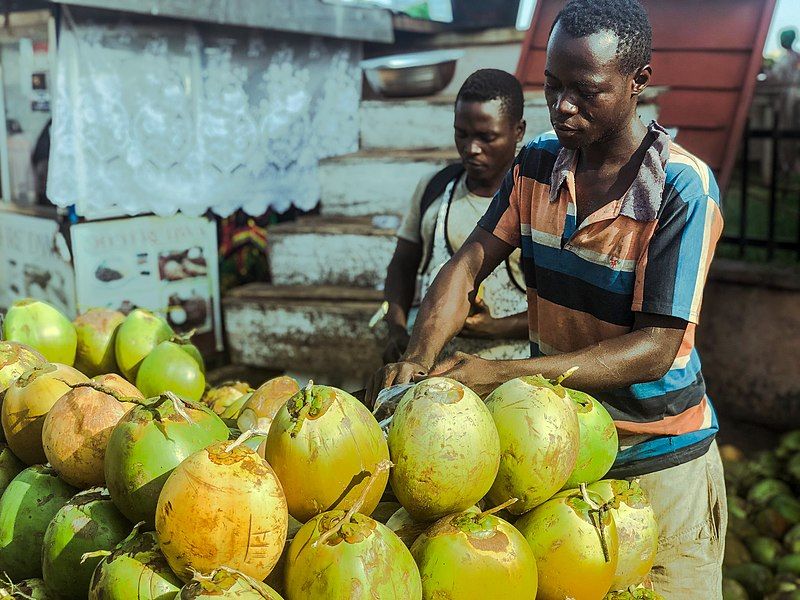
x=437, y=185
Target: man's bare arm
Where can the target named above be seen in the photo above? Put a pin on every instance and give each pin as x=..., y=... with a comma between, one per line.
x=444, y=309
x=644, y=354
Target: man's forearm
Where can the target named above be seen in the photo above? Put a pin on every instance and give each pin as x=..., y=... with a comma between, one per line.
x=636, y=357
x=441, y=316
x=401, y=280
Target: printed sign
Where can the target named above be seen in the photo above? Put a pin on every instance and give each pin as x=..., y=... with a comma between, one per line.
x=165, y=264
x=35, y=262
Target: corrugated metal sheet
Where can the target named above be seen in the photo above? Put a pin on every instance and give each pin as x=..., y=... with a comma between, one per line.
x=708, y=54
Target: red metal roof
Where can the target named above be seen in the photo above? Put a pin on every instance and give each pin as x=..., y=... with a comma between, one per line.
x=708, y=54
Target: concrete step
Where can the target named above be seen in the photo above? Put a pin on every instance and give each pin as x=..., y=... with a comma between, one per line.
x=319, y=332
x=340, y=251
x=428, y=123
x=376, y=182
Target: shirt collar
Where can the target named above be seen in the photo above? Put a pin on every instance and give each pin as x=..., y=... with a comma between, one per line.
x=643, y=199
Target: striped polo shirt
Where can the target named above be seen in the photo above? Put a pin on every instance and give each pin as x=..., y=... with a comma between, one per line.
x=649, y=251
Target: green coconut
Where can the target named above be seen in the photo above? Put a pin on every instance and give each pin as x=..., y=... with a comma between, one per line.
x=41, y=326
x=227, y=583
x=598, y=441
x=736, y=553
x=637, y=529
x=30, y=589
x=10, y=467
x=324, y=446
x=475, y=556
x=575, y=542
x=764, y=491
x=29, y=503
x=168, y=368
x=791, y=541
x=539, y=440
x=137, y=336
x=755, y=578
x=788, y=564
x=733, y=590
x=342, y=555
x=444, y=447
x=148, y=443
x=764, y=550
x=136, y=568
x=97, y=331
x=87, y=523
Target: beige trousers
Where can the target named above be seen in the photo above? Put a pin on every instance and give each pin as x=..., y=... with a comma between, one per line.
x=692, y=514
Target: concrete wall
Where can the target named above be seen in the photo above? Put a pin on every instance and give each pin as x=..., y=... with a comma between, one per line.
x=749, y=342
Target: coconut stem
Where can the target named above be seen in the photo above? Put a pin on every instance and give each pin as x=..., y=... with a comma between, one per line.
x=564, y=375
x=256, y=585
x=99, y=387
x=36, y=370
x=304, y=410
x=384, y=465
x=596, y=513
x=184, y=338
x=243, y=438
x=14, y=589
x=496, y=509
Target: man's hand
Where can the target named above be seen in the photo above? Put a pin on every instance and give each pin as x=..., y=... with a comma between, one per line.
x=480, y=375
x=393, y=374
x=396, y=344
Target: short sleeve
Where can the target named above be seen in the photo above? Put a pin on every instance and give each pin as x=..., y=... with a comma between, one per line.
x=410, y=227
x=671, y=274
x=502, y=218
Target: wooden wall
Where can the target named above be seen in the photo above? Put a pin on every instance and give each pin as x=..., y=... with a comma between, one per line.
x=708, y=53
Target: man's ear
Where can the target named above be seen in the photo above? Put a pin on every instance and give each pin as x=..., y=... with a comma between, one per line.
x=521, y=127
x=641, y=80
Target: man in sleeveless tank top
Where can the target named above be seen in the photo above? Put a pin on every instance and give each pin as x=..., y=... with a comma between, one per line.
x=488, y=126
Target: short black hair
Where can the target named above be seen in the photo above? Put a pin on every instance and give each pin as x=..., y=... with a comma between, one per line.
x=485, y=85
x=627, y=19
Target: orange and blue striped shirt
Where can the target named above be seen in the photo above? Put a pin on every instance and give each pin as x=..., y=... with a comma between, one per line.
x=649, y=251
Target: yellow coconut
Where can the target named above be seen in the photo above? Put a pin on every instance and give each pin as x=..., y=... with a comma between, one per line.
x=222, y=506
x=324, y=445
x=574, y=540
x=220, y=397
x=27, y=403
x=260, y=409
x=539, y=440
x=445, y=449
x=475, y=556
x=636, y=528
x=76, y=430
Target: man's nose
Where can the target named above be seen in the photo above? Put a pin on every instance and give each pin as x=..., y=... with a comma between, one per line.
x=565, y=106
x=473, y=148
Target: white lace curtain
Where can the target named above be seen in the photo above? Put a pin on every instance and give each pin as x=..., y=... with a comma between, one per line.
x=155, y=115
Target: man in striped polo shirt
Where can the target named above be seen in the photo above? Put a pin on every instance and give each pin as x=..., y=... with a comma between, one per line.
x=617, y=226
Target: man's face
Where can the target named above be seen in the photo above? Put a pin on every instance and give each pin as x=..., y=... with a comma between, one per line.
x=486, y=138
x=589, y=99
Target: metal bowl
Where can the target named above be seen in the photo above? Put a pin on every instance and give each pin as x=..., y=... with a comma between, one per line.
x=417, y=74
